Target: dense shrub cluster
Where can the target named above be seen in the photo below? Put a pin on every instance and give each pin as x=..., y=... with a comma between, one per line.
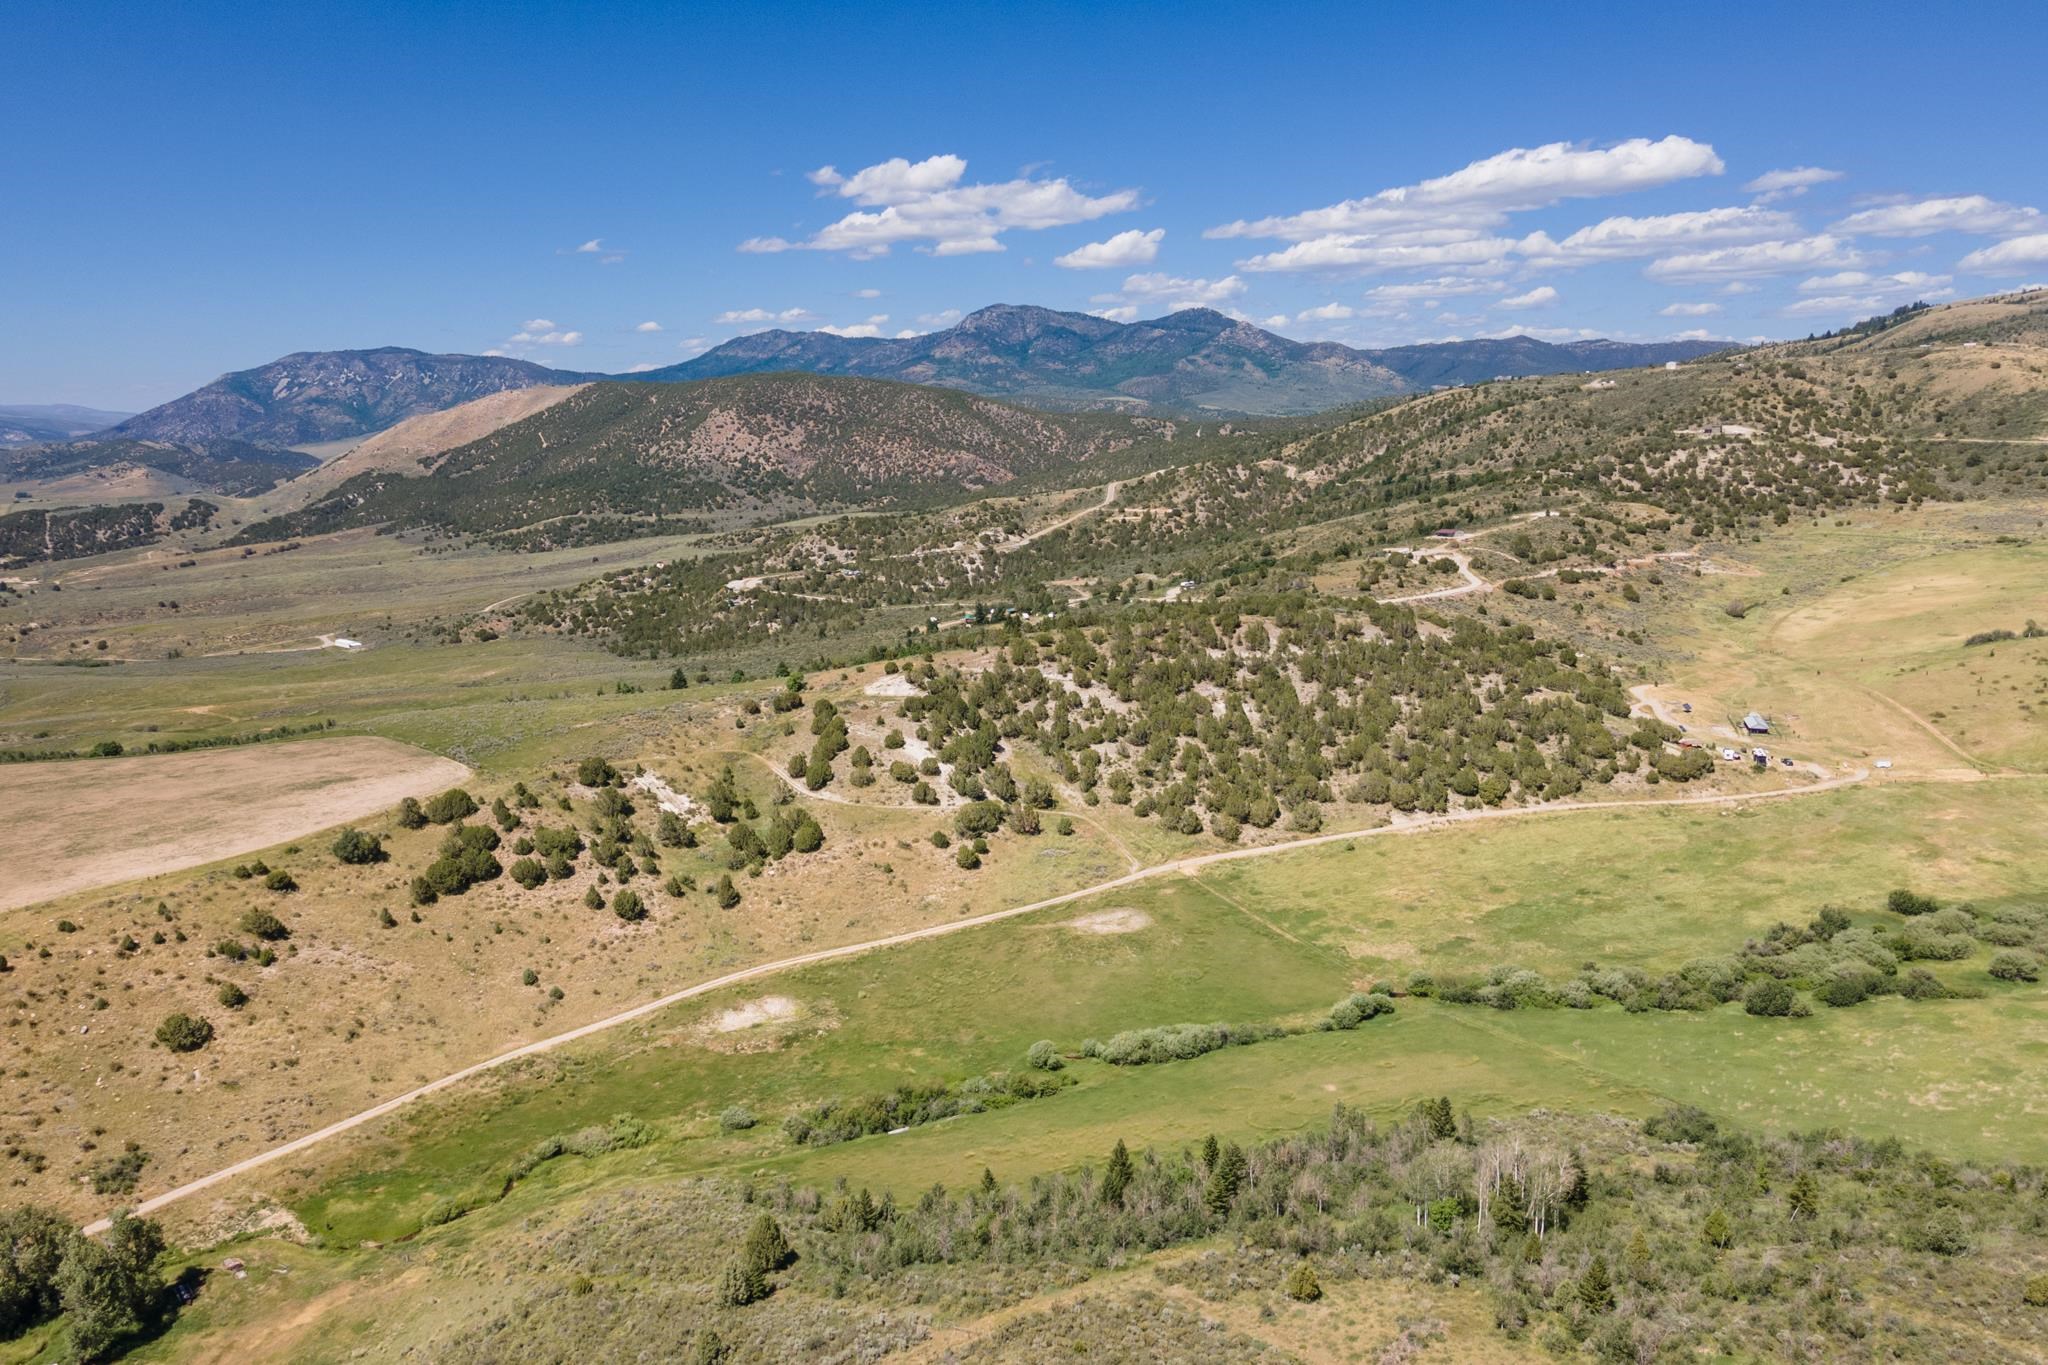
x=842, y=1120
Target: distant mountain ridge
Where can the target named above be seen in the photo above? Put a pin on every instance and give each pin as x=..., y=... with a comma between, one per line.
x=28, y=423
x=310, y=397
x=1194, y=361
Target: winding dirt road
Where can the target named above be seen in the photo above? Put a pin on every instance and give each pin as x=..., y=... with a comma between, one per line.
x=1188, y=864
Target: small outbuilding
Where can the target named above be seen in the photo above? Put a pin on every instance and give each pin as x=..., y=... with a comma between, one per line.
x=1756, y=724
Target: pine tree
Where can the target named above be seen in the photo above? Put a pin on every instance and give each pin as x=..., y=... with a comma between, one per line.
x=1225, y=1179
x=766, y=1250
x=1116, y=1177
x=1209, y=1152
x=741, y=1285
x=1803, y=1200
x=1640, y=1265
x=1716, y=1232
x=1596, y=1288
x=988, y=1181
x=1302, y=1285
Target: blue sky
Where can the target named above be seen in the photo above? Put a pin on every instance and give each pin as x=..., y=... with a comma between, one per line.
x=189, y=189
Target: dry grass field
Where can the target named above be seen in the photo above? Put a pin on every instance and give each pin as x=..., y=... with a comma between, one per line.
x=97, y=822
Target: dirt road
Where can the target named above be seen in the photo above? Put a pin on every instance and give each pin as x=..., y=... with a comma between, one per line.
x=1166, y=869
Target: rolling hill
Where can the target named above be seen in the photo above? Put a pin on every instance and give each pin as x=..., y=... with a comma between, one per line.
x=618, y=459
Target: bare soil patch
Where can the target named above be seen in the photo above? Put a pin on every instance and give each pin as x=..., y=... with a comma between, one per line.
x=1120, y=920
x=767, y=1009
x=95, y=822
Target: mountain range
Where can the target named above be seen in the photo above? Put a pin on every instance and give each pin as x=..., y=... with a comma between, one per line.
x=1194, y=362
x=24, y=424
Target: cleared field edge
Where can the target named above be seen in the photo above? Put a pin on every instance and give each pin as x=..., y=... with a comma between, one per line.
x=87, y=824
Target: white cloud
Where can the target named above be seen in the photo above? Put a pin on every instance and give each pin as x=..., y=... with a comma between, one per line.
x=1697, y=334
x=1180, y=293
x=1959, y=213
x=1689, y=310
x=1858, y=293
x=1756, y=261
x=1542, y=333
x=1280, y=319
x=1904, y=282
x=1123, y=313
x=1788, y=183
x=1622, y=237
x=867, y=293
x=1444, y=286
x=1454, y=220
x=694, y=346
x=926, y=202
x=648, y=327
x=859, y=329
x=1542, y=296
x=738, y=317
x=542, y=332
x=945, y=317
x=1328, y=312
x=596, y=247
x=642, y=368
x=2014, y=257
x=1520, y=178
x=1123, y=250
x=1360, y=253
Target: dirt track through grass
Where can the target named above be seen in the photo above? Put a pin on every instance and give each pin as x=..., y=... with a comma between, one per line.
x=760, y=970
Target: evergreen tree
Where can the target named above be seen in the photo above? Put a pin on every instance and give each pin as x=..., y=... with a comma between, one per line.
x=1803, y=1200
x=988, y=1181
x=741, y=1285
x=1116, y=1177
x=1596, y=1288
x=1302, y=1285
x=766, y=1250
x=1225, y=1179
x=1716, y=1232
x=1209, y=1152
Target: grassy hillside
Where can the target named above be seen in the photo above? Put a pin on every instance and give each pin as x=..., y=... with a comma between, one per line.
x=614, y=460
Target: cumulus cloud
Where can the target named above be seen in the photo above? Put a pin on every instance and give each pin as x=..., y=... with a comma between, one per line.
x=1328, y=312
x=1541, y=333
x=927, y=203
x=945, y=317
x=1519, y=178
x=867, y=293
x=871, y=328
x=740, y=317
x=1455, y=219
x=1974, y=213
x=543, y=332
x=1689, y=310
x=1127, y=312
x=2020, y=255
x=1542, y=296
x=1178, y=293
x=1790, y=182
x=1443, y=286
x=1755, y=261
x=1860, y=293
x=642, y=368
x=1123, y=250
x=648, y=327
x=1622, y=237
